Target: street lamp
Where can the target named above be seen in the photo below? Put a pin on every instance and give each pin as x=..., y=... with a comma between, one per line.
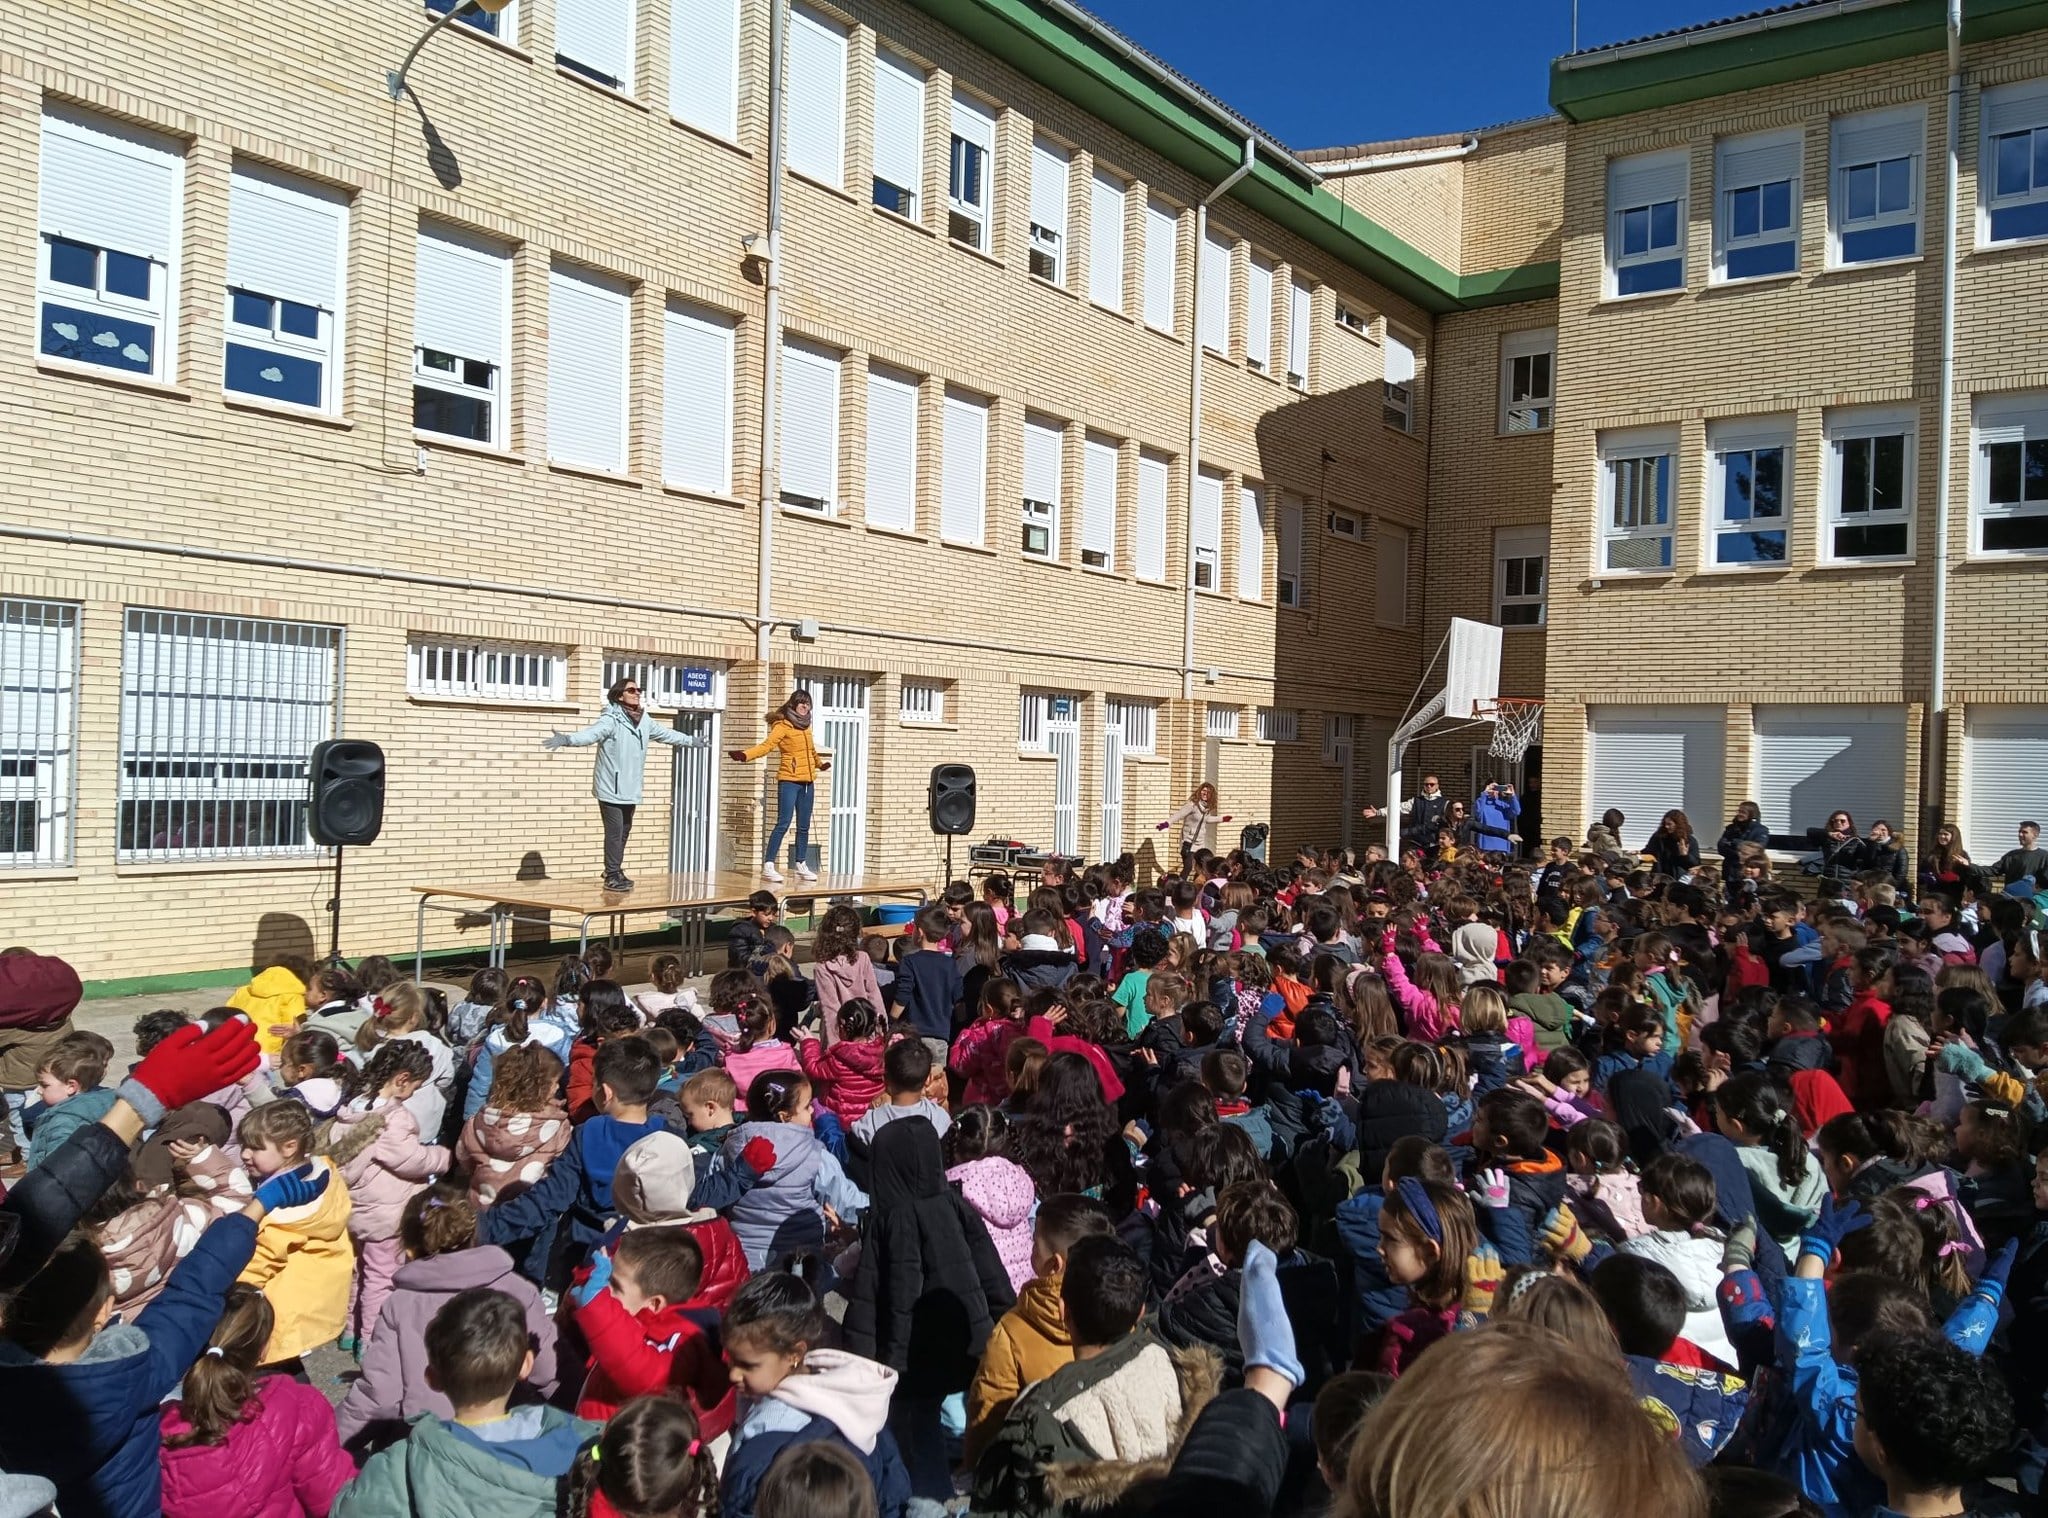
x=395, y=80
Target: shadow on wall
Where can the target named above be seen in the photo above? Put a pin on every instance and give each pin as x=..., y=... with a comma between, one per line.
x=282, y=938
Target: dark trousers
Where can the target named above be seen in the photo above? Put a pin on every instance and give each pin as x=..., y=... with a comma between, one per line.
x=618, y=827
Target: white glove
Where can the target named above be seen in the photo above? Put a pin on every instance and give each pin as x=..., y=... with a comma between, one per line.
x=555, y=740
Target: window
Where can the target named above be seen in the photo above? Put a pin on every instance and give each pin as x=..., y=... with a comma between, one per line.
x=594, y=38
x=1527, y=383
x=696, y=399
x=2011, y=491
x=218, y=716
x=1390, y=565
x=1279, y=725
x=2012, y=169
x=968, y=179
x=514, y=673
x=669, y=686
x=1139, y=721
x=817, y=96
x=1049, y=164
x=1646, y=223
x=963, y=485
x=1635, y=501
x=587, y=338
x=1258, y=314
x=1215, y=279
x=39, y=697
x=1397, y=408
x=1347, y=524
x=504, y=26
x=1756, y=198
x=1520, y=557
x=1289, y=590
x=1106, y=241
x=1221, y=722
x=287, y=247
x=1300, y=301
x=109, y=221
x=703, y=64
x=1098, y=503
x=1207, y=530
x=1042, y=463
x=1162, y=252
x=1337, y=732
x=462, y=298
x=892, y=449
x=922, y=703
x=1351, y=319
x=899, y=135
x=1151, y=521
x=1752, y=474
x=810, y=427
x=1869, y=485
x=1033, y=708
x=1874, y=195
x=1251, y=543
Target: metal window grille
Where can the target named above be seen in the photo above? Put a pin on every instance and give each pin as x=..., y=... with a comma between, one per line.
x=218, y=718
x=1337, y=730
x=665, y=684
x=1222, y=722
x=1031, y=714
x=38, y=728
x=510, y=672
x=922, y=701
x=1139, y=718
x=1278, y=726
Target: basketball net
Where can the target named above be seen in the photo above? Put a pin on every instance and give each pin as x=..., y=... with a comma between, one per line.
x=1515, y=725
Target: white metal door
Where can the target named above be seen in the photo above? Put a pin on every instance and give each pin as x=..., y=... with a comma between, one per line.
x=1112, y=779
x=1063, y=741
x=841, y=712
x=693, y=825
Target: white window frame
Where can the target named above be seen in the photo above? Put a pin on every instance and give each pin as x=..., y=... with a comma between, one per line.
x=696, y=435
x=602, y=29
x=830, y=367
x=898, y=151
x=1279, y=724
x=2007, y=110
x=1750, y=436
x=1301, y=304
x=492, y=263
x=1205, y=532
x=888, y=391
x=1221, y=722
x=218, y=718
x=1519, y=352
x=1052, y=171
x=1623, y=456
x=1107, y=198
x=704, y=65
x=1161, y=270
x=1642, y=183
x=1149, y=522
x=1387, y=538
x=504, y=26
x=1101, y=482
x=2003, y=421
x=1756, y=162
x=1251, y=541
x=485, y=672
x=816, y=107
x=661, y=681
x=1348, y=525
x=578, y=364
x=1041, y=510
x=1217, y=253
x=1513, y=549
x=1034, y=716
x=1340, y=730
x=1258, y=313
x=921, y=703
x=1354, y=319
x=1290, y=589
x=316, y=219
x=1400, y=355
x=1139, y=720
x=963, y=482
x=974, y=131
x=1866, y=424
x=39, y=663
x=1867, y=142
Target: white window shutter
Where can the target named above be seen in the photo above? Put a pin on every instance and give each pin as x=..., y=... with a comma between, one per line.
x=1646, y=180
x=461, y=295
x=899, y=123
x=1390, y=555
x=597, y=34
x=1151, y=519
x=1162, y=235
x=703, y=64
x=110, y=185
x=1288, y=535
x=1813, y=760
x=1400, y=360
x=587, y=319
x=1251, y=542
x=1258, y=316
x=1215, y=313
x=1106, y=241
x=1098, y=500
x=1049, y=164
x=1645, y=760
x=1300, y=305
x=1873, y=136
x=892, y=449
x=817, y=96
x=696, y=407
x=810, y=423
x=1208, y=522
x=963, y=506
x=286, y=238
x=2014, y=107
x=1761, y=158
x=1042, y=450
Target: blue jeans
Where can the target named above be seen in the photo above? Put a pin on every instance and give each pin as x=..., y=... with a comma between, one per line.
x=792, y=801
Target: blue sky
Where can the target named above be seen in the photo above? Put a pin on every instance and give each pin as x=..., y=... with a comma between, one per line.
x=1319, y=73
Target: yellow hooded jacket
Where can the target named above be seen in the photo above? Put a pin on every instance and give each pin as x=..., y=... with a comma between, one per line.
x=799, y=755
x=304, y=1262
x=1028, y=1344
x=276, y=999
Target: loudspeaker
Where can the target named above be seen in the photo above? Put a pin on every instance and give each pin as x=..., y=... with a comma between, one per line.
x=346, y=807
x=951, y=798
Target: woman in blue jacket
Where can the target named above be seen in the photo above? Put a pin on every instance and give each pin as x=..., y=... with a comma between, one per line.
x=1495, y=813
x=621, y=737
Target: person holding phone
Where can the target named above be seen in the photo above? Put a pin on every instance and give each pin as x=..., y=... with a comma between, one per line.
x=1495, y=814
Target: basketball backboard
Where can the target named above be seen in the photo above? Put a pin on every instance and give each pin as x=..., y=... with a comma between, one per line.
x=1473, y=671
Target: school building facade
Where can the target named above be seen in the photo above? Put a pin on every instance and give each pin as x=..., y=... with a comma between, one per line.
x=421, y=419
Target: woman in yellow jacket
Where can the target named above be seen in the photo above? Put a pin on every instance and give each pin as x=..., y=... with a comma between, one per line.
x=789, y=735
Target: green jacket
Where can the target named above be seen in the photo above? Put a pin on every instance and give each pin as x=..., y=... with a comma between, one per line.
x=1551, y=1014
x=434, y=1474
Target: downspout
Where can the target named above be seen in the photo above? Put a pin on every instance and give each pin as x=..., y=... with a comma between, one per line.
x=1934, y=759
x=771, y=344
x=1187, y=640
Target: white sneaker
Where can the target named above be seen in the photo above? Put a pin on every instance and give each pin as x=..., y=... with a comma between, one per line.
x=769, y=872
x=805, y=872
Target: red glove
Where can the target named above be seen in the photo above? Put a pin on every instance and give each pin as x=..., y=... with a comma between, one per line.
x=758, y=1156
x=188, y=1065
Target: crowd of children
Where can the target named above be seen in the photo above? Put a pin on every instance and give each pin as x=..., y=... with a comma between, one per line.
x=1421, y=1187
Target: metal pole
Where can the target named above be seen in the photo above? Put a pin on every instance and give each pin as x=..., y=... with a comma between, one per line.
x=334, y=913
x=771, y=344
x=1934, y=749
x=395, y=80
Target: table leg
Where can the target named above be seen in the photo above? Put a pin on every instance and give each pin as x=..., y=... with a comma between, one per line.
x=419, y=941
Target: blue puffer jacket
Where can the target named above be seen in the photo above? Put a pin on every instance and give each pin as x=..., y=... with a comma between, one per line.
x=91, y=1426
x=1374, y=1298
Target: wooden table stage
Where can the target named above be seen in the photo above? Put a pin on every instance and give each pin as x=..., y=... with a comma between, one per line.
x=689, y=899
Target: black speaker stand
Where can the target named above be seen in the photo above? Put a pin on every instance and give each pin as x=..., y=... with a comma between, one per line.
x=949, y=861
x=334, y=915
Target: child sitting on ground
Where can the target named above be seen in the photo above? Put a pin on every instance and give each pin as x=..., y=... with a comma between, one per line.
x=509, y=1144
x=72, y=1097
x=847, y=1072
x=654, y=1457
x=182, y=1179
x=759, y=1048
x=665, y=972
x=1605, y=1193
x=632, y=1310
x=313, y=1072
x=708, y=1099
x=305, y=1258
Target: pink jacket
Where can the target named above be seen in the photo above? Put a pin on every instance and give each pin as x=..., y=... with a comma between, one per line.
x=1046, y=1032
x=769, y=1054
x=840, y=981
x=1522, y=1034
x=848, y=1075
x=982, y=1054
x=1002, y=1193
x=1425, y=1019
x=381, y=1157
x=285, y=1462
x=1619, y=1197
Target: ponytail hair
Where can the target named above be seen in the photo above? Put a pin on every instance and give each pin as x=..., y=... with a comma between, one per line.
x=220, y=1388
x=756, y=1016
x=1757, y=1102
x=650, y=1462
x=400, y=1056
x=525, y=998
x=1881, y=1135
x=775, y=1094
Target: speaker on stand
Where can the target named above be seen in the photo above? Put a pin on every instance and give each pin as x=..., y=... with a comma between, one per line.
x=344, y=808
x=949, y=801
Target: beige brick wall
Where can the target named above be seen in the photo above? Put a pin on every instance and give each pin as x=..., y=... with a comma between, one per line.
x=1514, y=197
x=1424, y=204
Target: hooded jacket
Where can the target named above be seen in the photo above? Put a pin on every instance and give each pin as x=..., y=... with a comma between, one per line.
x=377, y=1145
x=305, y=1262
x=622, y=752
x=1028, y=1344
x=1004, y=1198
x=638, y=1354
x=837, y=1396
x=393, y=1389
x=1698, y=1406
x=53, y=1125
x=848, y=1074
x=930, y=1284
x=1696, y=1260
x=144, y=1242
x=274, y=999
x=1784, y=1212
x=1857, y=1034
x=1038, y=968
x=1473, y=947
x=282, y=1461
x=838, y=982
x=578, y=1184
x=780, y=1214
x=1389, y=1110
x=441, y=1472
x=505, y=1152
x=1549, y=1014
x=652, y=1189
x=1611, y=1204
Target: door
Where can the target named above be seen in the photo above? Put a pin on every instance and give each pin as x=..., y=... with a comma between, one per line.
x=1339, y=739
x=841, y=712
x=1112, y=779
x=693, y=826
x=1063, y=741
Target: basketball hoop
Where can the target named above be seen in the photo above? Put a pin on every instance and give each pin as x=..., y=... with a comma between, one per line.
x=1515, y=724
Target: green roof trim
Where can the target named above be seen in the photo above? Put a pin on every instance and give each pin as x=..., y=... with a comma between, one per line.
x=1701, y=63
x=1504, y=287
x=1082, y=68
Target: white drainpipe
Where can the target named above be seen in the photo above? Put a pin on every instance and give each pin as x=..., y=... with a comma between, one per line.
x=1934, y=768
x=771, y=344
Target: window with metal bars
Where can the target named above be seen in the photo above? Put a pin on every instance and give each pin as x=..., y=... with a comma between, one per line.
x=1278, y=725
x=1221, y=722
x=922, y=702
x=218, y=718
x=446, y=670
x=667, y=685
x=1140, y=725
x=38, y=728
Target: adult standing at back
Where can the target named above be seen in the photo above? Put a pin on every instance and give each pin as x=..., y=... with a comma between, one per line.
x=1495, y=814
x=2029, y=859
x=796, y=775
x=1196, y=818
x=1672, y=849
x=620, y=735
x=38, y=993
x=1422, y=815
